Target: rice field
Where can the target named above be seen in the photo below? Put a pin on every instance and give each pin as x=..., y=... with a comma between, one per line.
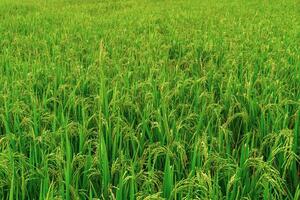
x=149, y=99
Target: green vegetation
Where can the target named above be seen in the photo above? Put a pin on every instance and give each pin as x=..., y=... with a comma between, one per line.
x=149, y=99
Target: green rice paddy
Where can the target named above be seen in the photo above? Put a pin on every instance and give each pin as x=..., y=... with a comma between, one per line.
x=149, y=99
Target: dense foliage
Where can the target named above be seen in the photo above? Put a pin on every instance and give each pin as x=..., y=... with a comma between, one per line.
x=149, y=99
